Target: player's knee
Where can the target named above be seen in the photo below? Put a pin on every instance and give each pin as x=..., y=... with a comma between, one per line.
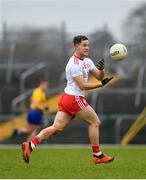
x=57, y=129
x=96, y=123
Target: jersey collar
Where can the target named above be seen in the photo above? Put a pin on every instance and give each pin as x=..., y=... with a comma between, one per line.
x=78, y=57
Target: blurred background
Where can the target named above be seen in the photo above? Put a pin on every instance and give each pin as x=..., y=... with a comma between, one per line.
x=36, y=43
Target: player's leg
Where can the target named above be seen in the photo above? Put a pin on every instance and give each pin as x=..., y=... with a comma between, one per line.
x=62, y=119
x=33, y=126
x=18, y=131
x=34, y=123
x=24, y=130
x=89, y=115
x=33, y=131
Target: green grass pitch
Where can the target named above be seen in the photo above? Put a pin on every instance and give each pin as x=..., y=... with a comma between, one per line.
x=69, y=162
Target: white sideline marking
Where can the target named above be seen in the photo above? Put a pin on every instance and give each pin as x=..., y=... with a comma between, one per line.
x=75, y=146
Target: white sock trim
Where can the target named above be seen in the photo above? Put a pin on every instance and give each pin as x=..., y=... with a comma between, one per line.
x=97, y=154
x=32, y=145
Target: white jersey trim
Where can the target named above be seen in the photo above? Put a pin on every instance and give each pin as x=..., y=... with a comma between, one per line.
x=79, y=102
x=77, y=74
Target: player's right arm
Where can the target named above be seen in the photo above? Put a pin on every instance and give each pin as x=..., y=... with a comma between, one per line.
x=77, y=75
x=85, y=85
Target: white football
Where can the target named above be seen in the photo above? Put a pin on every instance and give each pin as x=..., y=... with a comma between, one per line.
x=118, y=52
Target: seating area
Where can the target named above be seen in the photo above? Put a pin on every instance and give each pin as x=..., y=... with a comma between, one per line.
x=120, y=97
x=117, y=99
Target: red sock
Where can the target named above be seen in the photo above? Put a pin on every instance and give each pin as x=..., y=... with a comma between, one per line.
x=36, y=140
x=95, y=148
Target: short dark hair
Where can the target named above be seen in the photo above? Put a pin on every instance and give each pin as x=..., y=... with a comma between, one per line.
x=40, y=81
x=78, y=39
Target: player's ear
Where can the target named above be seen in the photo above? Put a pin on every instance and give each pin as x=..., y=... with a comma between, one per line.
x=76, y=46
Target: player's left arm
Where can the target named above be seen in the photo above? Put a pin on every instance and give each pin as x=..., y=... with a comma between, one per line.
x=98, y=70
x=98, y=73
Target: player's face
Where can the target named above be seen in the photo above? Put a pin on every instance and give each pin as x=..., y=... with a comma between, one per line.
x=83, y=48
x=44, y=86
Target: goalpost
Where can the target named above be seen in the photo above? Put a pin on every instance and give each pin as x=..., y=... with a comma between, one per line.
x=138, y=124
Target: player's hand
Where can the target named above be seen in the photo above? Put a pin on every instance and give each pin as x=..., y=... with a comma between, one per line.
x=46, y=108
x=100, y=64
x=106, y=80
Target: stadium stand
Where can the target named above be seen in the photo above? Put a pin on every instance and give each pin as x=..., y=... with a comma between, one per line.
x=115, y=104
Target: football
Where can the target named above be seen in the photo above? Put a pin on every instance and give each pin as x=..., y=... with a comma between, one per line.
x=118, y=52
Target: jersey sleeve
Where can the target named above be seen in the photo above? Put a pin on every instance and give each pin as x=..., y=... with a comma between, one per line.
x=91, y=64
x=36, y=96
x=76, y=71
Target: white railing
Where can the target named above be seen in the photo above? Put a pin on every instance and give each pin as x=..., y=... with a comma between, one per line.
x=16, y=66
x=19, y=99
x=28, y=73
